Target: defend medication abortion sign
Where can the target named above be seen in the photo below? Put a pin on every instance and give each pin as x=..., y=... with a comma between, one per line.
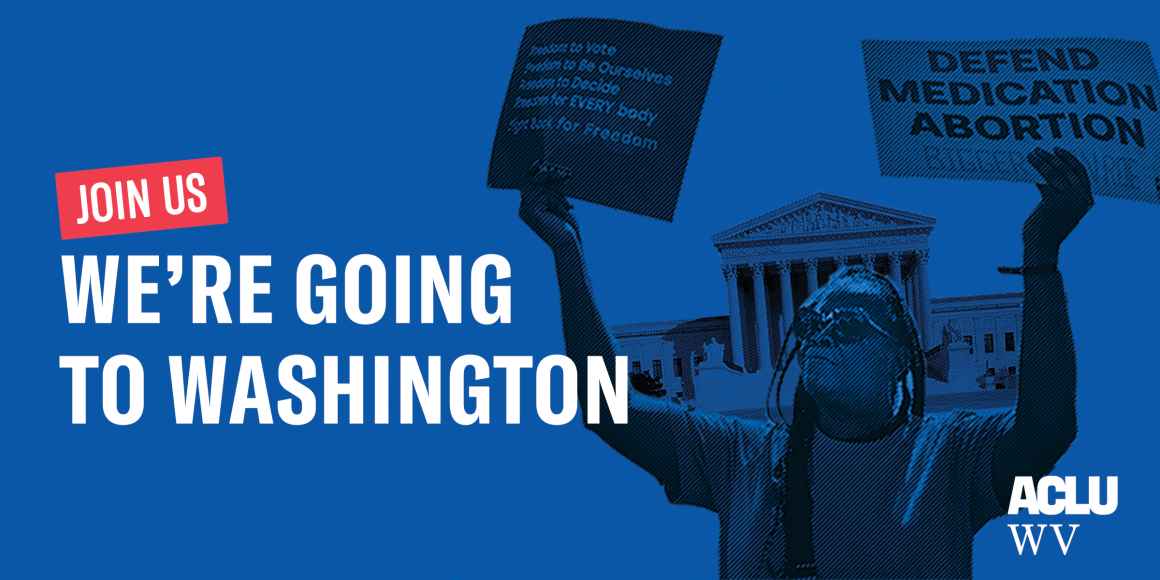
x=614, y=104
x=974, y=110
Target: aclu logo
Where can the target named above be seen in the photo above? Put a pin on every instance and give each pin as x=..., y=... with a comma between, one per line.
x=1054, y=496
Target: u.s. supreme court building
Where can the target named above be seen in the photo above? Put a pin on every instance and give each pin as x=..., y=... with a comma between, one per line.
x=771, y=263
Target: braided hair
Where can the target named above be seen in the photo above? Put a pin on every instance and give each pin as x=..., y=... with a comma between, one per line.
x=877, y=295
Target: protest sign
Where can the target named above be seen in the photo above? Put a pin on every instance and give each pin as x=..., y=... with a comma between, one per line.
x=974, y=110
x=613, y=104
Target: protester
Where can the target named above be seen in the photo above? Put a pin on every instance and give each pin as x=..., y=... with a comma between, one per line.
x=862, y=484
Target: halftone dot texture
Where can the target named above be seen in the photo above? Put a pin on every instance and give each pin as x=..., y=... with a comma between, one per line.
x=986, y=116
x=615, y=160
x=904, y=504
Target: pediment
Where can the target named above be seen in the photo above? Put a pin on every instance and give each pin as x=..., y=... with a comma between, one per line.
x=823, y=214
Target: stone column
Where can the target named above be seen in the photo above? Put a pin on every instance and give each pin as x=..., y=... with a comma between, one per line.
x=896, y=273
x=736, y=336
x=923, y=257
x=786, y=295
x=761, y=314
x=811, y=276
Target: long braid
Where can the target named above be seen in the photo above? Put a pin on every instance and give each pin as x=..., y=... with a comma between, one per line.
x=784, y=359
x=797, y=512
x=917, y=363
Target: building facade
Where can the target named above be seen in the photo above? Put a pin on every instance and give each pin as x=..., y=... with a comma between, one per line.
x=671, y=350
x=772, y=263
x=990, y=327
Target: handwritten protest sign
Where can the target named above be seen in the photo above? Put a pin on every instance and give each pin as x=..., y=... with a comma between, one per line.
x=613, y=104
x=974, y=110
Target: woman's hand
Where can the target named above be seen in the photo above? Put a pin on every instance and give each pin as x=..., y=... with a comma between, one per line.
x=1066, y=198
x=549, y=214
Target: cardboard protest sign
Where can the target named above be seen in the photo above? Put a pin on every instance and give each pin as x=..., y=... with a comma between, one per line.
x=974, y=110
x=613, y=104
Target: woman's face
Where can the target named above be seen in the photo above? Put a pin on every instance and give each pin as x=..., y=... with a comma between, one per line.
x=850, y=366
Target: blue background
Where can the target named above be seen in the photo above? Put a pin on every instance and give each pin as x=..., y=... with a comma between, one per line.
x=344, y=131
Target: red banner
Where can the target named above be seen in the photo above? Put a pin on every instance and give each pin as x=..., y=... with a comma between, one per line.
x=141, y=198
